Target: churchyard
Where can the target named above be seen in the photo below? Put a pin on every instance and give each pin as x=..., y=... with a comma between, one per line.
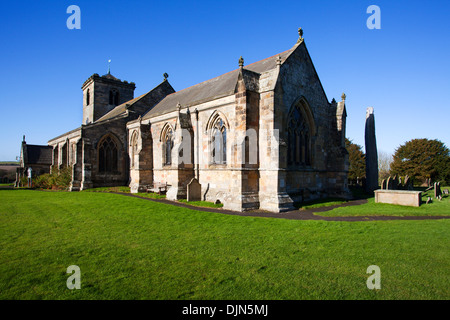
x=131, y=248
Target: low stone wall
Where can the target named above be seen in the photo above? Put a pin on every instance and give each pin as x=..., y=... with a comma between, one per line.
x=401, y=197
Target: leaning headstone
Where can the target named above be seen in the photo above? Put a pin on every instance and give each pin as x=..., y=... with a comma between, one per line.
x=408, y=183
x=371, y=152
x=446, y=191
x=399, y=183
x=394, y=183
x=389, y=184
x=383, y=184
x=194, y=190
x=437, y=189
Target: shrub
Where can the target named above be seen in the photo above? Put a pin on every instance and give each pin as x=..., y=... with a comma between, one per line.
x=58, y=179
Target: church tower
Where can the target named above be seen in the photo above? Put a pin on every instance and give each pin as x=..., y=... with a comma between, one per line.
x=101, y=94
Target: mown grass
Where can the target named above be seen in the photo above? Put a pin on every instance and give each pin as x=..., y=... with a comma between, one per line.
x=6, y=184
x=319, y=203
x=435, y=208
x=205, y=204
x=130, y=248
x=122, y=189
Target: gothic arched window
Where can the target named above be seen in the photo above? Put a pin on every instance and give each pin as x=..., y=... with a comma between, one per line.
x=114, y=97
x=108, y=156
x=134, y=147
x=299, y=139
x=219, y=142
x=167, y=146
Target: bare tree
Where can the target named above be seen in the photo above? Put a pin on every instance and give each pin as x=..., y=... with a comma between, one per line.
x=384, y=165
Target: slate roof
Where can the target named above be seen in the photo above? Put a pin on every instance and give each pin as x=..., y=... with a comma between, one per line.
x=121, y=108
x=65, y=134
x=215, y=88
x=39, y=154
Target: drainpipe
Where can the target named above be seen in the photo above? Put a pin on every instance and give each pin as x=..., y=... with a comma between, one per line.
x=197, y=173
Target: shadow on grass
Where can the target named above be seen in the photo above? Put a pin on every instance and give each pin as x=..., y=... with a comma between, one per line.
x=358, y=193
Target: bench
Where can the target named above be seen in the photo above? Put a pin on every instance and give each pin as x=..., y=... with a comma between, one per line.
x=157, y=187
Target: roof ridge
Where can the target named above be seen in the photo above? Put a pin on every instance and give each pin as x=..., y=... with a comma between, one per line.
x=203, y=82
x=275, y=55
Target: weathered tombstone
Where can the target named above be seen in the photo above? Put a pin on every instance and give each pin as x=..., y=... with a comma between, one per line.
x=389, y=184
x=446, y=191
x=437, y=189
x=408, y=183
x=399, y=183
x=383, y=184
x=194, y=190
x=394, y=183
x=371, y=152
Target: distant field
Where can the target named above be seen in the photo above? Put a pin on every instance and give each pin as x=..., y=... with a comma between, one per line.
x=130, y=248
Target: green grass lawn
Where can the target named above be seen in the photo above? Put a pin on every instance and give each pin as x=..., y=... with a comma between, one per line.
x=205, y=204
x=319, y=203
x=436, y=208
x=131, y=248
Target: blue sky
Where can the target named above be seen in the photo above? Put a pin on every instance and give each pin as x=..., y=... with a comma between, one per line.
x=402, y=70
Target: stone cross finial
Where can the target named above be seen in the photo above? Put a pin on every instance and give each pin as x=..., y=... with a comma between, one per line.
x=178, y=106
x=165, y=75
x=300, y=34
x=278, y=60
x=343, y=96
x=241, y=62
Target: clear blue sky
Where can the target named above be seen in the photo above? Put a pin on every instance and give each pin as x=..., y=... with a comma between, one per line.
x=402, y=70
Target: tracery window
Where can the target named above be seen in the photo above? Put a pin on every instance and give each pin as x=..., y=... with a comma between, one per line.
x=299, y=139
x=219, y=142
x=108, y=156
x=167, y=146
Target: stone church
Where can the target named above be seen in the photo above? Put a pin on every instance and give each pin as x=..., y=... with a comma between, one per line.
x=259, y=137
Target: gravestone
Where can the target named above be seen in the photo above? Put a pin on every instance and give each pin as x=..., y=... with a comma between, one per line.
x=383, y=184
x=395, y=183
x=437, y=189
x=446, y=191
x=408, y=183
x=399, y=183
x=389, y=184
x=371, y=152
x=194, y=190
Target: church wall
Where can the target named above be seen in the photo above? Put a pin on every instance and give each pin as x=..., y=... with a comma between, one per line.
x=93, y=135
x=101, y=97
x=299, y=79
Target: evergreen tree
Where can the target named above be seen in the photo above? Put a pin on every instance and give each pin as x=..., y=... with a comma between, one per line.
x=422, y=159
x=357, y=160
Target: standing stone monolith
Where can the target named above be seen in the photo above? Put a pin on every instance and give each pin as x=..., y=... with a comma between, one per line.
x=371, y=152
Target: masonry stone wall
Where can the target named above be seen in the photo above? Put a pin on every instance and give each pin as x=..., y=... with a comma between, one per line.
x=99, y=91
